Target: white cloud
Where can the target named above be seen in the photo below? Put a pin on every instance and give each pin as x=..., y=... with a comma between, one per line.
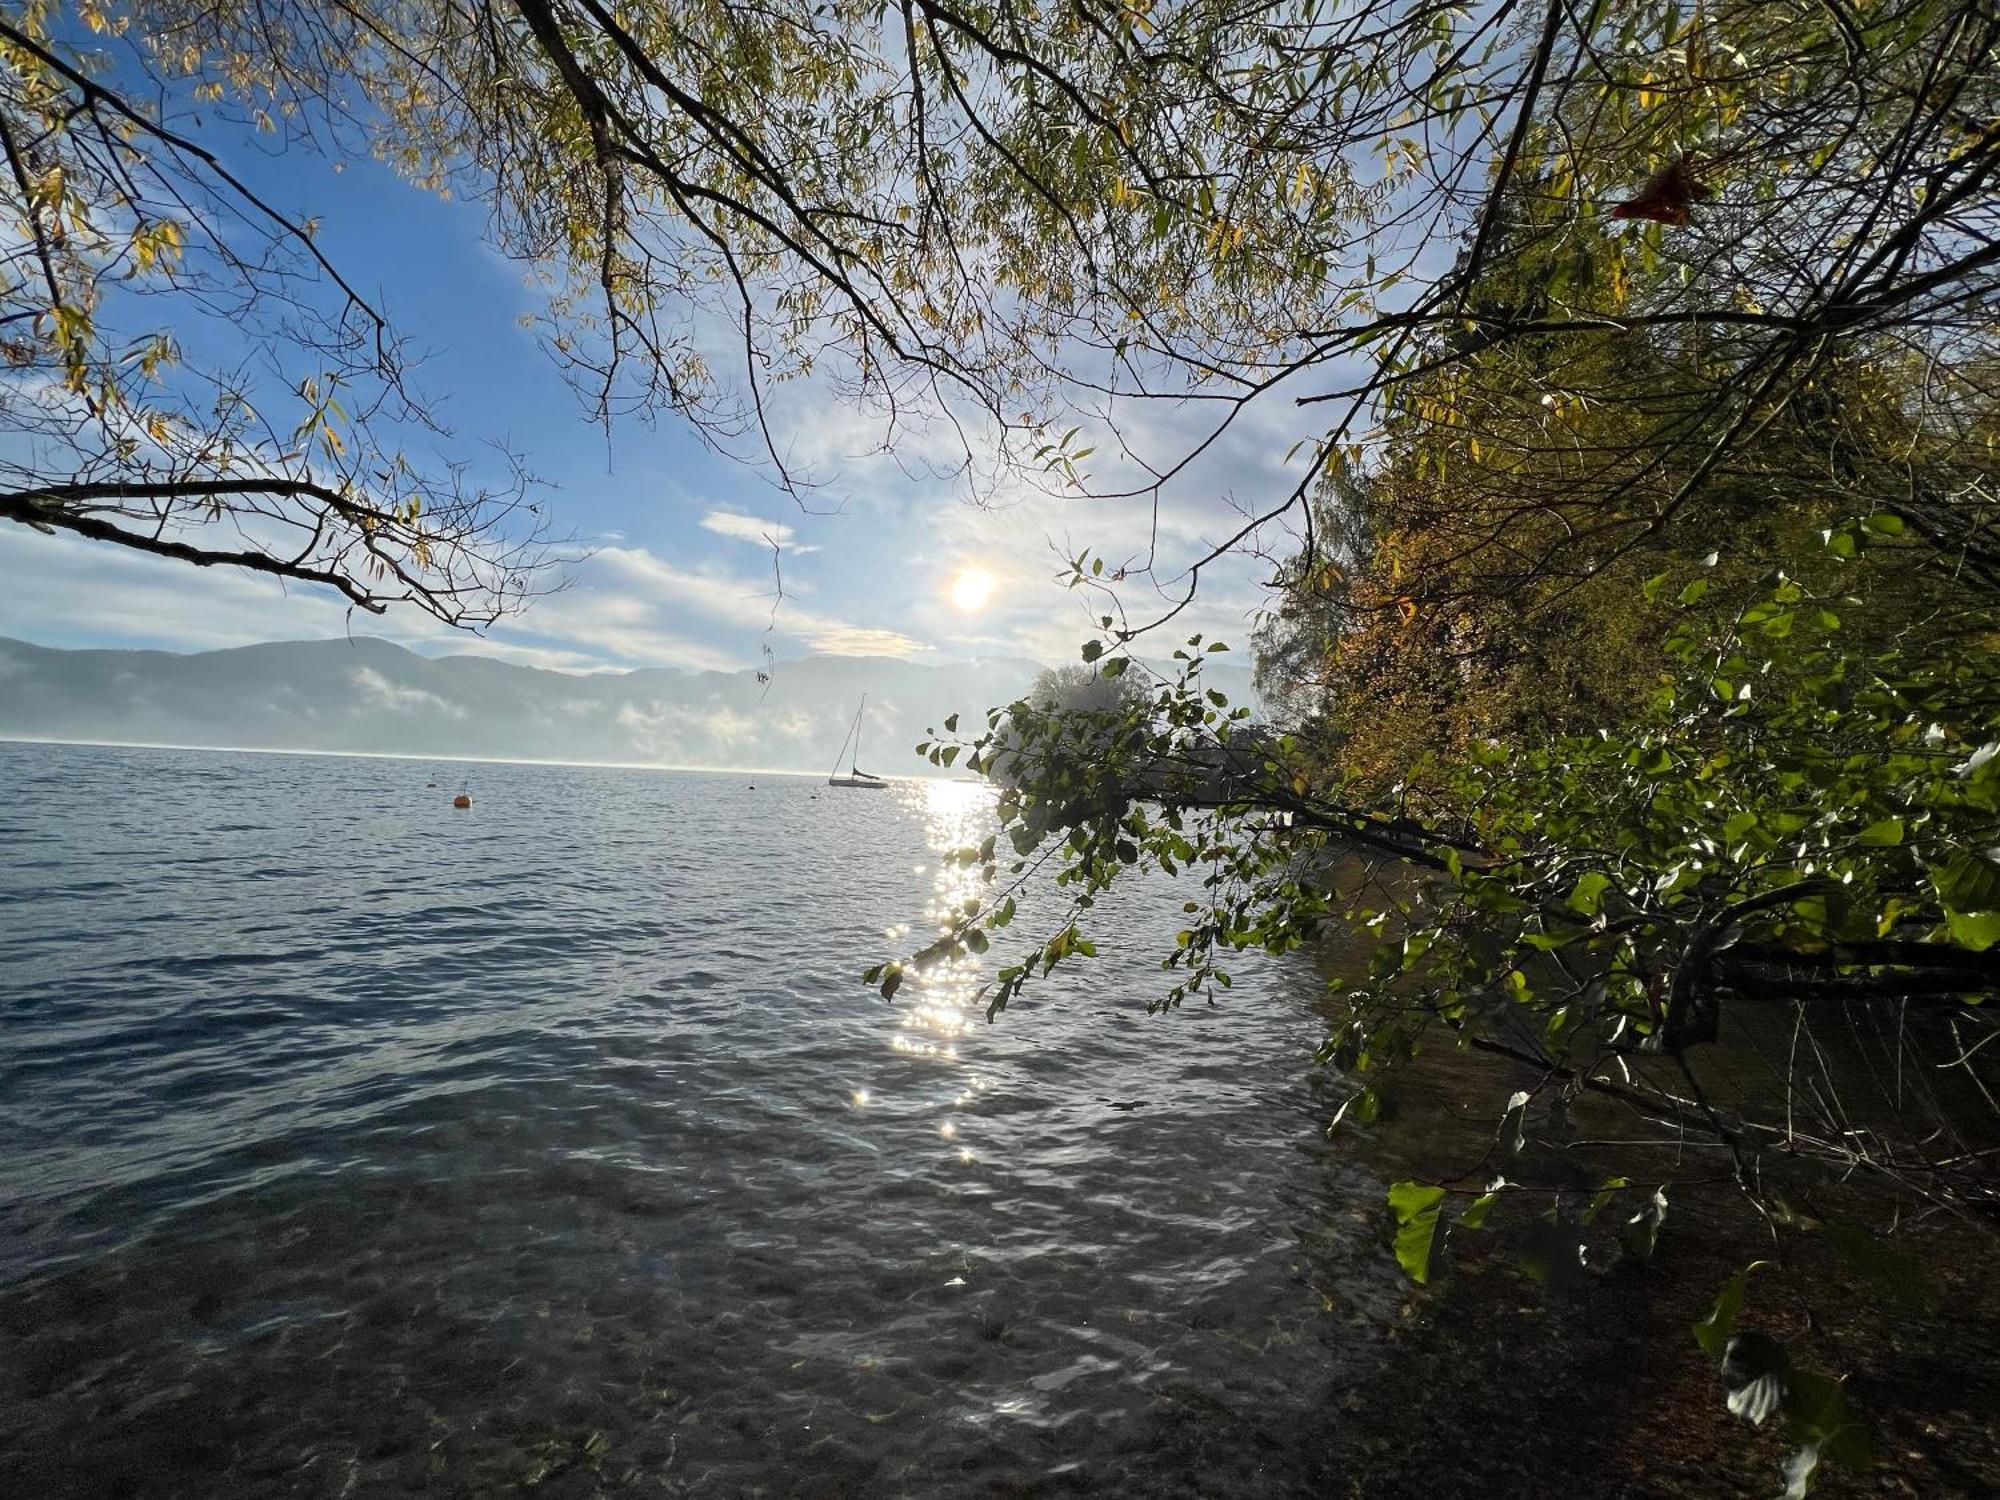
x=1025, y=544
x=879, y=589
x=912, y=528
x=755, y=530
x=603, y=623
x=627, y=608
x=496, y=646
x=834, y=639
x=637, y=574
x=63, y=590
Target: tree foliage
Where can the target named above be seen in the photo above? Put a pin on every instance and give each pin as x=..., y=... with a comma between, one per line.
x=187, y=374
x=1023, y=226
x=1639, y=677
x=1790, y=840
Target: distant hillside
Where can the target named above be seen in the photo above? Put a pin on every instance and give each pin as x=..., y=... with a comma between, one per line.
x=367, y=695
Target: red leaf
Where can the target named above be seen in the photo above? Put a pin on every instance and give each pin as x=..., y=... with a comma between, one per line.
x=1666, y=197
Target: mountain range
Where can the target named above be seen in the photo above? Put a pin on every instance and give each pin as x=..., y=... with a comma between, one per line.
x=369, y=696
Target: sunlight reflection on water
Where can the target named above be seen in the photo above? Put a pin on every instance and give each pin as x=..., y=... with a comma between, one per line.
x=362, y=1147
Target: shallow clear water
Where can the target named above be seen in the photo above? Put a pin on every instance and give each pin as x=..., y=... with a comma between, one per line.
x=354, y=1145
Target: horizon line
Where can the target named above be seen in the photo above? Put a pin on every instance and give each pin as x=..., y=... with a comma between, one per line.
x=476, y=760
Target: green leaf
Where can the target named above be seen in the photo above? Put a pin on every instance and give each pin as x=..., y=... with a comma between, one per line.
x=1114, y=667
x=1737, y=825
x=1882, y=835
x=1092, y=650
x=1641, y=1232
x=1586, y=896
x=1693, y=592
x=1757, y=1373
x=1713, y=1331
x=1818, y=1414
x=1969, y=881
x=1514, y=1123
x=1977, y=930
x=1475, y=1214
x=1602, y=1198
x=1416, y=1209
x=1365, y=1107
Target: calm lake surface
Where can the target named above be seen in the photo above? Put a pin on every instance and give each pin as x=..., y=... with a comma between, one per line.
x=354, y=1145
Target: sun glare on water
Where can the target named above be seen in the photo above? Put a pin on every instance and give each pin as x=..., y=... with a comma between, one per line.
x=971, y=589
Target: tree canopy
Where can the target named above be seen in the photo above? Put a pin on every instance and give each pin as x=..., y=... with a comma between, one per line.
x=1028, y=225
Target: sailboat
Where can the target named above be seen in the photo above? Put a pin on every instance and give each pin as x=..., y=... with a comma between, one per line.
x=855, y=777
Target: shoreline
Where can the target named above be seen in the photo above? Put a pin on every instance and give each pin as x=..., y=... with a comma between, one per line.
x=1493, y=1384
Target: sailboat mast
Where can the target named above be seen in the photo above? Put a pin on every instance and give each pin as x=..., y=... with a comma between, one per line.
x=855, y=775
x=840, y=752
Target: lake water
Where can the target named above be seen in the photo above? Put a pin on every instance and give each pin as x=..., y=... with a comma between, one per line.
x=354, y=1145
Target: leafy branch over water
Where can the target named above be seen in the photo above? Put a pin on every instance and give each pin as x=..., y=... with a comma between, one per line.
x=1793, y=826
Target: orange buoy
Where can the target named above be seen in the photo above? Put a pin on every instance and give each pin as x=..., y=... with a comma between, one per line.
x=461, y=800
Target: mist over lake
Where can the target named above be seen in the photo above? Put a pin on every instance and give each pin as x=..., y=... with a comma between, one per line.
x=372, y=697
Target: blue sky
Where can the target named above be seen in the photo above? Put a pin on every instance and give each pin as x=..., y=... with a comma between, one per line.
x=678, y=573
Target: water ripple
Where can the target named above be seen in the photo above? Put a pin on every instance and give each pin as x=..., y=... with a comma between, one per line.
x=360, y=1145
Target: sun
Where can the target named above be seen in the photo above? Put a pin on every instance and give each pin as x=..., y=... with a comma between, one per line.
x=971, y=589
